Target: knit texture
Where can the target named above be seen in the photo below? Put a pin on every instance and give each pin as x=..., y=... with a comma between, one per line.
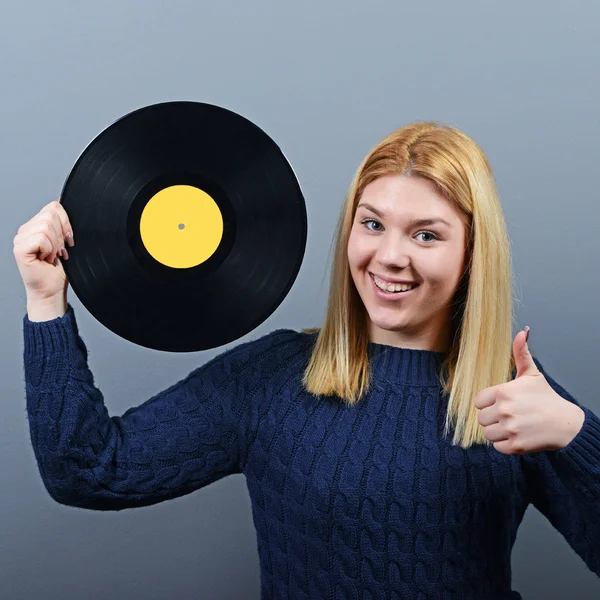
x=362, y=502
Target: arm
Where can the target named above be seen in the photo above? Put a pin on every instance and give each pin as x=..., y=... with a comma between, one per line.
x=182, y=439
x=565, y=484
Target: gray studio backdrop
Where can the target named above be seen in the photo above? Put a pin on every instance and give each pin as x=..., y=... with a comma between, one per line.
x=327, y=80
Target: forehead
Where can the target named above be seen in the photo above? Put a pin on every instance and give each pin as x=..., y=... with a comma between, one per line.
x=408, y=197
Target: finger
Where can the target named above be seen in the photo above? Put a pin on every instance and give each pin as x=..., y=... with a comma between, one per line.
x=65, y=224
x=49, y=225
x=523, y=359
x=496, y=433
x=488, y=416
x=36, y=243
x=35, y=246
x=60, y=220
x=485, y=397
x=505, y=447
x=47, y=248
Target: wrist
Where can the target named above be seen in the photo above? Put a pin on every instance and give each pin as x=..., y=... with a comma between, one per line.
x=573, y=423
x=46, y=309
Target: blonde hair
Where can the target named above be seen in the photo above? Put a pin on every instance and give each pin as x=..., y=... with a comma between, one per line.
x=481, y=352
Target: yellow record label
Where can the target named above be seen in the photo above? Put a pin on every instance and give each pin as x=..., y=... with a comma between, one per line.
x=181, y=226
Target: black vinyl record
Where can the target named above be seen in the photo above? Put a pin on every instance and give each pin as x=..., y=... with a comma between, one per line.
x=189, y=223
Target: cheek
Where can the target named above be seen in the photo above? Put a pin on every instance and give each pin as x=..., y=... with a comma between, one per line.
x=352, y=250
x=444, y=272
x=358, y=251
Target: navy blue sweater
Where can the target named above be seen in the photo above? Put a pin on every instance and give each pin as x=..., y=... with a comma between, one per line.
x=369, y=501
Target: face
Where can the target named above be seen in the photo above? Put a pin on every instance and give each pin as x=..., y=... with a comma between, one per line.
x=385, y=248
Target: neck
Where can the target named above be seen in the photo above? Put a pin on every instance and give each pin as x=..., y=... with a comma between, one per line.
x=438, y=340
x=413, y=366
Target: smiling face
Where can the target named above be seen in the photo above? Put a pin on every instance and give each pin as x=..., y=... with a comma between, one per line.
x=384, y=248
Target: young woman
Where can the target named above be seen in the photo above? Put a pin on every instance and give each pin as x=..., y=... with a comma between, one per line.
x=392, y=452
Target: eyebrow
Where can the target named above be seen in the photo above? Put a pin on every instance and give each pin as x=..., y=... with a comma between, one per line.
x=413, y=223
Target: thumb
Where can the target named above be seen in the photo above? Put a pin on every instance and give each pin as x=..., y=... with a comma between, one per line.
x=523, y=358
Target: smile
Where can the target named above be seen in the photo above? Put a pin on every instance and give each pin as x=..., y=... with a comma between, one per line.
x=386, y=290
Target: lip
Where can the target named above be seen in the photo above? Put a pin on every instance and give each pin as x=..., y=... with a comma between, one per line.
x=390, y=297
x=390, y=280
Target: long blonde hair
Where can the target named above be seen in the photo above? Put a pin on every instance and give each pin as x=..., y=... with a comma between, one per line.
x=481, y=352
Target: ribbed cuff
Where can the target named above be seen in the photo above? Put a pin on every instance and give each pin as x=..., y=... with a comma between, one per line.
x=580, y=459
x=47, y=346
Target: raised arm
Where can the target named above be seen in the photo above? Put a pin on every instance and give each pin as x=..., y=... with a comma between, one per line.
x=178, y=441
x=181, y=439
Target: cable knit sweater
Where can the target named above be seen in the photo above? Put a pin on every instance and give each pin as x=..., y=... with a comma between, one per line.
x=361, y=502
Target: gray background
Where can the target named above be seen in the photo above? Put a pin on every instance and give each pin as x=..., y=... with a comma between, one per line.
x=327, y=80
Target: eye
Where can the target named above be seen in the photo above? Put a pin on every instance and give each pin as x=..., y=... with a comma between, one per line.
x=377, y=226
x=428, y=233
x=368, y=221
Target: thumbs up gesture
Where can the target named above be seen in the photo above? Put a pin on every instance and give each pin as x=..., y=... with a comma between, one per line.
x=526, y=415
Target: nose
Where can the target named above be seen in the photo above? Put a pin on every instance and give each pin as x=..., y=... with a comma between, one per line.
x=393, y=252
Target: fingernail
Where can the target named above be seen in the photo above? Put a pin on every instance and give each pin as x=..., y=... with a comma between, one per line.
x=526, y=330
x=69, y=238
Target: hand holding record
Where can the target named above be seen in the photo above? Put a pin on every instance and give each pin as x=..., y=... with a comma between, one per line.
x=36, y=248
x=191, y=226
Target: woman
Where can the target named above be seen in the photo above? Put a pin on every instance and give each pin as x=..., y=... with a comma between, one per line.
x=391, y=453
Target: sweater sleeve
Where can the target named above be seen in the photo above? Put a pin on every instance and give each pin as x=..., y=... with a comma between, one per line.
x=178, y=441
x=565, y=484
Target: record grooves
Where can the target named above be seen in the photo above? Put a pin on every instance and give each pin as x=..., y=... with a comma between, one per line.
x=190, y=225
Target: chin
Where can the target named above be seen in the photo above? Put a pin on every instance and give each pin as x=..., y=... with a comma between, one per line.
x=386, y=322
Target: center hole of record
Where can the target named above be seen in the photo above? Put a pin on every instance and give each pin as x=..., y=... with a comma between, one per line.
x=179, y=242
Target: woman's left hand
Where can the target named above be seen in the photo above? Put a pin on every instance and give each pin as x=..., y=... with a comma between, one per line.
x=526, y=415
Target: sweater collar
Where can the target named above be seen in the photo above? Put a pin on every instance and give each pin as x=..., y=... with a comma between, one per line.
x=405, y=365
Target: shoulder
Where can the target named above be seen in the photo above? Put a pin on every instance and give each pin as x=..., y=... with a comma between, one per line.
x=280, y=342
x=281, y=349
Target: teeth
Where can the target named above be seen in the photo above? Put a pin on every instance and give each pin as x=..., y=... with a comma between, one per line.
x=392, y=287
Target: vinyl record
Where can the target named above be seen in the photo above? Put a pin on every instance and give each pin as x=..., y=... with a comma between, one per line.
x=189, y=223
